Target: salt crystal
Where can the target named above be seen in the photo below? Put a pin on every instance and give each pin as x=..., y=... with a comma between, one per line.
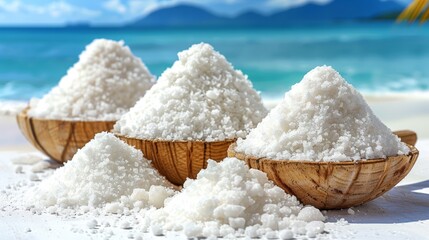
x=310, y=213
x=201, y=97
x=217, y=204
x=322, y=118
x=125, y=225
x=91, y=224
x=18, y=169
x=106, y=81
x=351, y=211
x=285, y=234
x=314, y=228
x=51, y=209
x=158, y=194
x=34, y=177
x=192, y=230
x=40, y=166
x=114, y=207
x=156, y=230
x=271, y=235
x=101, y=172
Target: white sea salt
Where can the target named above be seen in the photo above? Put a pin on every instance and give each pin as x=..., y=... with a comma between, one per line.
x=18, y=169
x=125, y=225
x=92, y=224
x=27, y=159
x=106, y=81
x=105, y=170
x=229, y=199
x=34, y=177
x=201, y=97
x=40, y=166
x=322, y=118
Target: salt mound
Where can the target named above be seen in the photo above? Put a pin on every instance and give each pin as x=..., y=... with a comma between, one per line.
x=322, y=118
x=229, y=199
x=201, y=97
x=106, y=81
x=105, y=170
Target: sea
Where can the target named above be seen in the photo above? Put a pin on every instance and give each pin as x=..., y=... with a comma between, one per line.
x=376, y=58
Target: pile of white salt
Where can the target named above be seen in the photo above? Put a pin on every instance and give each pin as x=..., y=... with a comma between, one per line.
x=322, y=118
x=105, y=171
x=106, y=81
x=229, y=200
x=201, y=97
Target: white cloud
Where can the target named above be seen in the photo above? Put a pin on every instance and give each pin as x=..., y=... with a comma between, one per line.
x=53, y=9
x=138, y=7
x=293, y=3
x=10, y=6
x=115, y=6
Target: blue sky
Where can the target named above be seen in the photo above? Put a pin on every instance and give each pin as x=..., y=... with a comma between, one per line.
x=59, y=12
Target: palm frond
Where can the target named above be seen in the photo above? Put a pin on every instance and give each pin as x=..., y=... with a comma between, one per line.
x=418, y=9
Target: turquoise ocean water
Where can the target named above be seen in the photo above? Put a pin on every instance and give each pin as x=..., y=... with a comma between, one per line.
x=374, y=57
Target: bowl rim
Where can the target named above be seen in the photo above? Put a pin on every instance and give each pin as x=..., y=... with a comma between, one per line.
x=23, y=114
x=172, y=141
x=242, y=156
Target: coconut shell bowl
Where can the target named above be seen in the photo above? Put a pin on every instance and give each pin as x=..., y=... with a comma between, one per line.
x=59, y=139
x=336, y=185
x=179, y=160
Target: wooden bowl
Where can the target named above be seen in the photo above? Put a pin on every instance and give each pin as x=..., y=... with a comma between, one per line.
x=334, y=185
x=59, y=139
x=178, y=160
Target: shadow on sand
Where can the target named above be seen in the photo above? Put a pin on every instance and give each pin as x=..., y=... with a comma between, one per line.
x=406, y=203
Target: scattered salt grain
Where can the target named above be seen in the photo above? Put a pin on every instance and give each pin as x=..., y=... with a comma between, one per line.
x=40, y=166
x=51, y=209
x=103, y=171
x=92, y=224
x=156, y=230
x=34, y=177
x=18, y=169
x=350, y=211
x=106, y=81
x=285, y=234
x=201, y=97
x=125, y=225
x=113, y=207
x=322, y=118
x=314, y=228
x=310, y=213
x=229, y=199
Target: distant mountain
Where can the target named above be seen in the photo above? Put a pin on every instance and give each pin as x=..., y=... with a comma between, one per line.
x=180, y=15
x=250, y=18
x=336, y=10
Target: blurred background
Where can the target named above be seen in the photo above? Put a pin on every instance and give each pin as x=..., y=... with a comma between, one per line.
x=274, y=42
